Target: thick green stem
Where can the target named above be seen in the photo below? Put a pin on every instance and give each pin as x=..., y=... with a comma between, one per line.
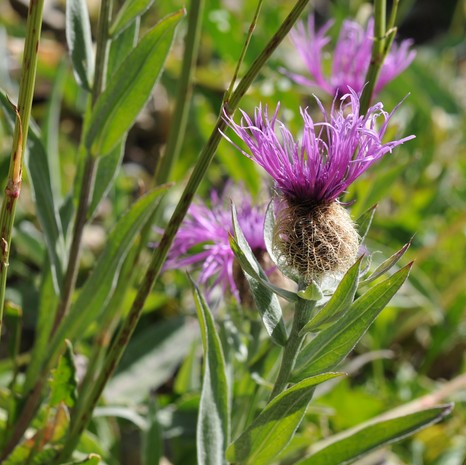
x=302, y=314
x=181, y=209
x=13, y=187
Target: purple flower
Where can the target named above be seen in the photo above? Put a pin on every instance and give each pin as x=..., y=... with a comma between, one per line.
x=329, y=156
x=351, y=57
x=203, y=239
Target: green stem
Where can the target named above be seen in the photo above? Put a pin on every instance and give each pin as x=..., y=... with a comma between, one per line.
x=90, y=166
x=303, y=311
x=161, y=252
x=183, y=95
x=378, y=54
x=252, y=26
x=13, y=187
x=75, y=248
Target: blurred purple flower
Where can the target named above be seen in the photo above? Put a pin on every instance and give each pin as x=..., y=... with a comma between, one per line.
x=351, y=57
x=203, y=239
x=329, y=156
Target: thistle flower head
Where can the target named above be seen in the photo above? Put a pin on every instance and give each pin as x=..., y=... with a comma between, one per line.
x=329, y=156
x=314, y=234
x=203, y=239
x=351, y=57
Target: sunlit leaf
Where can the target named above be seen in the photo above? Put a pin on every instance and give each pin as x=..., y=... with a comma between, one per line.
x=128, y=12
x=333, y=344
x=386, y=265
x=348, y=446
x=272, y=430
x=131, y=85
x=339, y=303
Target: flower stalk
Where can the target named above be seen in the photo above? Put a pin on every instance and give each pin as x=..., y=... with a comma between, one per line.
x=302, y=314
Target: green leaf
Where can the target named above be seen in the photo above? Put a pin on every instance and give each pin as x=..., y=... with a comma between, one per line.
x=128, y=12
x=273, y=429
x=121, y=46
x=79, y=40
x=338, y=304
x=152, y=442
x=364, y=222
x=118, y=106
x=100, y=284
x=332, y=345
x=51, y=129
x=266, y=300
x=312, y=292
x=37, y=167
x=63, y=383
x=387, y=264
x=360, y=441
x=213, y=421
x=107, y=170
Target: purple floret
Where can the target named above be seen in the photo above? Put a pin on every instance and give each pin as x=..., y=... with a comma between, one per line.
x=330, y=155
x=351, y=57
x=203, y=239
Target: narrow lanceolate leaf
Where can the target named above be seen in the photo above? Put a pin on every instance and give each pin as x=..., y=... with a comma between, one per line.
x=276, y=425
x=118, y=106
x=339, y=303
x=63, y=383
x=387, y=264
x=121, y=47
x=360, y=441
x=38, y=171
x=266, y=300
x=333, y=344
x=100, y=284
x=364, y=222
x=128, y=12
x=213, y=419
x=107, y=170
x=79, y=40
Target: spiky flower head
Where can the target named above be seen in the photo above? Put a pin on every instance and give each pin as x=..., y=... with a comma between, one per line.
x=314, y=234
x=351, y=57
x=203, y=239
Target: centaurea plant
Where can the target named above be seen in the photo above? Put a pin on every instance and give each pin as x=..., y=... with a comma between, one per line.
x=248, y=407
